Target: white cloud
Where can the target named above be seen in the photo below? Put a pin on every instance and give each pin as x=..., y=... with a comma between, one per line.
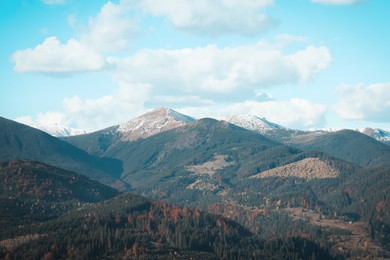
x=54, y=2
x=175, y=100
x=361, y=101
x=53, y=57
x=118, y=107
x=111, y=30
x=337, y=2
x=94, y=114
x=229, y=71
x=311, y=60
x=215, y=17
x=44, y=119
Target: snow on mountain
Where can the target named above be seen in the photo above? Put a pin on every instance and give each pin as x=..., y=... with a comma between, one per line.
x=376, y=133
x=153, y=122
x=253, y=123
x=60, y=131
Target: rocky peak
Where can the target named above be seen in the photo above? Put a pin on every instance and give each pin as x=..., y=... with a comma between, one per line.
x=153, y=122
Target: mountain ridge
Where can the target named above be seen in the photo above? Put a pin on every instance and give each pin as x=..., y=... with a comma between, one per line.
x=21, y=142
x=143, y=127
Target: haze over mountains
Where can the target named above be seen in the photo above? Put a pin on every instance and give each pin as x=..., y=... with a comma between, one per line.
x=245, y=168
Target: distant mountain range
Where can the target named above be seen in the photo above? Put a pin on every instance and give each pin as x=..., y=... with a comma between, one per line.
x=150, y=123
x=335, y=143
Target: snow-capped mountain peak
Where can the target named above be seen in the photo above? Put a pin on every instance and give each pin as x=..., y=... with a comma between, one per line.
x=61, y=131
x=54, y=129
x=376, y=133
x=253, y=123
x=153, y=122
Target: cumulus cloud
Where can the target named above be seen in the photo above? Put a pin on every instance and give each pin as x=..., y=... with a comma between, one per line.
x=111, y=30
x=93, y=114
x=364, y=102
x=230, y=70
x=120, y=106
x=53, y=57
x=44, y=119
x=216, y=17
x=337, y=2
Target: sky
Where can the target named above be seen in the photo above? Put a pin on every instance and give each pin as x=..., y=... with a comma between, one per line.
x=304, y=64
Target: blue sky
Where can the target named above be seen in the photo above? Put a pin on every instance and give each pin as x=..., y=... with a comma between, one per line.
x=92, y=64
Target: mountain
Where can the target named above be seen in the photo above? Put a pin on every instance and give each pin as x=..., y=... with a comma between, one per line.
x=271, y=130
x=195, y=143
x=61, y=131
x=345, y=144
x=253, y=123
x=287, y=136
x=144, y=126
x=348, y=145
x=151, y=123
x=209, y=162
x=21, y=142
x=53, y=129
x=376, y=133
x=31, y=191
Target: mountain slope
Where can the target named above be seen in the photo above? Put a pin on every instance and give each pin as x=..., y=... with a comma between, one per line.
x=350, y=146
x=31, y=191
x=198, y=142
x=96, y=143
x=18, y=141
x=205, y=162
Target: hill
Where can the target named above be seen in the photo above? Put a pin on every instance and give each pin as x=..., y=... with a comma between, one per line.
x=21, y=142
x=31, y=191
